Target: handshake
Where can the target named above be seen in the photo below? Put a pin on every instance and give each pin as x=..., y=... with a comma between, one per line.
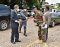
x=17, y=21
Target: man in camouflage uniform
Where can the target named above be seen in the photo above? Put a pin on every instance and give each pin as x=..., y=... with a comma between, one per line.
x=39, y=19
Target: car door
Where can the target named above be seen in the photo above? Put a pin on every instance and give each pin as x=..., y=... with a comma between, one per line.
x=57, y=18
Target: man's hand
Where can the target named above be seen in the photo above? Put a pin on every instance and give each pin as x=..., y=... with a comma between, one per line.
x=44, y=23
x=27, y=18
x=17, y=21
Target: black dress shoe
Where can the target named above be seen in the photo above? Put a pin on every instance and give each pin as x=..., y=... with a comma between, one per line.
x=17, y=41
x=13, y=42
x=19, y=31
x=25, y=34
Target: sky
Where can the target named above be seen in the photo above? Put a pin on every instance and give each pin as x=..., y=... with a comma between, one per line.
x=53, y=1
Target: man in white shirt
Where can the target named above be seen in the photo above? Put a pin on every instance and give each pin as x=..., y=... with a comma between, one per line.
x=47, y=15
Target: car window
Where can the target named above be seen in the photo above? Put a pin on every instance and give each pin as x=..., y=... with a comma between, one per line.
x=4, y=9
x=55, y=15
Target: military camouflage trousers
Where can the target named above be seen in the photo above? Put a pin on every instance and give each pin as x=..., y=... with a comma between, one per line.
x=42, y=33
x=39, y=33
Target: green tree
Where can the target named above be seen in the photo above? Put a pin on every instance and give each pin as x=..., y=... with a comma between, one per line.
x=58, y=8
x=3, y=1
x=37, y=3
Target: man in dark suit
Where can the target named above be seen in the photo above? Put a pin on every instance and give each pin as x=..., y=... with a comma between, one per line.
x=14, y=25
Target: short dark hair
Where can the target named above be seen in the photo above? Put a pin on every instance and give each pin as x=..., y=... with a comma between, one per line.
x=47, y=7
x=33, y=7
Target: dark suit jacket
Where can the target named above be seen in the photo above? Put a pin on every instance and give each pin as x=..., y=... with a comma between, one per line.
x=13, y=18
